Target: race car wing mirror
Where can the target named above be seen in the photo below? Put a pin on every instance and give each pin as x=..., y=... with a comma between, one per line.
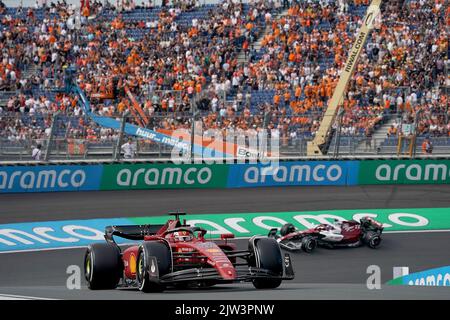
x=272, y=233
x=224, y=236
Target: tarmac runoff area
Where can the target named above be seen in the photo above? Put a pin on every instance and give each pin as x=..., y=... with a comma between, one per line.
x=324, y=274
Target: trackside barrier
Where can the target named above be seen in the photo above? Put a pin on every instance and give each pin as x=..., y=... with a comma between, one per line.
x=40, y=178
x=298, y=173
x=163, y=176
x=126, y=176
x=404, y=172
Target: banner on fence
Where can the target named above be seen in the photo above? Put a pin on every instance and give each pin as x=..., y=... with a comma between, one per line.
x=46, y=178
x=163, y=176
x=50, y=178
x=298, y=173
x=404, y=172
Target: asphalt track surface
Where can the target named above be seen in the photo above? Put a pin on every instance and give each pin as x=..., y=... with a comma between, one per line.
x=325, y=274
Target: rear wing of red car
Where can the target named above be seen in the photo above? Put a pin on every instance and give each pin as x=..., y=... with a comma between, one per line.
x=131, y=232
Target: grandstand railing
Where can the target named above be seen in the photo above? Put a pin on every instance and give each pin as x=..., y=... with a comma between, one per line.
x=65, y=137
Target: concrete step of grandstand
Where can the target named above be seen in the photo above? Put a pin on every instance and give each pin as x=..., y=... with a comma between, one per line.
x=257, y=45
x=26, y=74
x=4, y=97
x=30, y=71
x=378, y=136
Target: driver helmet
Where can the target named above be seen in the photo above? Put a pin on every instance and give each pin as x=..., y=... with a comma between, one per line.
x=337, y=223
x=182, y=236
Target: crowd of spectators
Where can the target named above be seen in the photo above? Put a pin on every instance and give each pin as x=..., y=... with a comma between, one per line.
x=399, y=70
x=165, y=57
x=170, y=66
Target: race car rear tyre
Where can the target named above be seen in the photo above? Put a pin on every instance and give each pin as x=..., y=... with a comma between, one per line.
x=287, y=228
x=267, y=255
x=161, y=251
x=102, y=266
x=309, y=244
x=372, y=239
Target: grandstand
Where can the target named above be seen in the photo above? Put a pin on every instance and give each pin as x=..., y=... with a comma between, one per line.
x=233, y=67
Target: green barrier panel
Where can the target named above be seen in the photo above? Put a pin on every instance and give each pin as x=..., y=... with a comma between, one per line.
x=249, y=224
x=163, y=176
x=404, y=172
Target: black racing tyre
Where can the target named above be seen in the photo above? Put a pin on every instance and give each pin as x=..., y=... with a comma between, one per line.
x=287, y=228
x=163, y=255
x=372, y=239
x=309, y=244
x=103, y=266
x=267, y=255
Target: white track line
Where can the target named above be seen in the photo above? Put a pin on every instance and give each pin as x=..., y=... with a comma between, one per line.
x=17, y=297
x=238, y=238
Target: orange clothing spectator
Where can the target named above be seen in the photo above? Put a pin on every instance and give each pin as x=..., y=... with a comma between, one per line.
x=276, y=99
x=298, y=92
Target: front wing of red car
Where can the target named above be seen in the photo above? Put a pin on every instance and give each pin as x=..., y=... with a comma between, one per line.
x=243, y=274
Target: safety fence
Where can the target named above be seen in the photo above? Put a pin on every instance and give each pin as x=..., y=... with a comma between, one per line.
x=69, y=137
x=128, y=176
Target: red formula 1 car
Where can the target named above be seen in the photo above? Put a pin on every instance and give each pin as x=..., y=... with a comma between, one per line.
x=178, y=255
x=340, y=234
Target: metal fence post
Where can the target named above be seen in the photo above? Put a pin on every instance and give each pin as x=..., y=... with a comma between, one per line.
x=338, y=133
x=121, y=132
x=194, y=113
x=50, y=137
x=414, y=138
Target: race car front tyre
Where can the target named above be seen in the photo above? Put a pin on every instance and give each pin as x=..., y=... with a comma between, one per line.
x=267, y=255
x=309, y=244
x=146, y=269
x=102, y=266
x=372, y=239
x=287, y=228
